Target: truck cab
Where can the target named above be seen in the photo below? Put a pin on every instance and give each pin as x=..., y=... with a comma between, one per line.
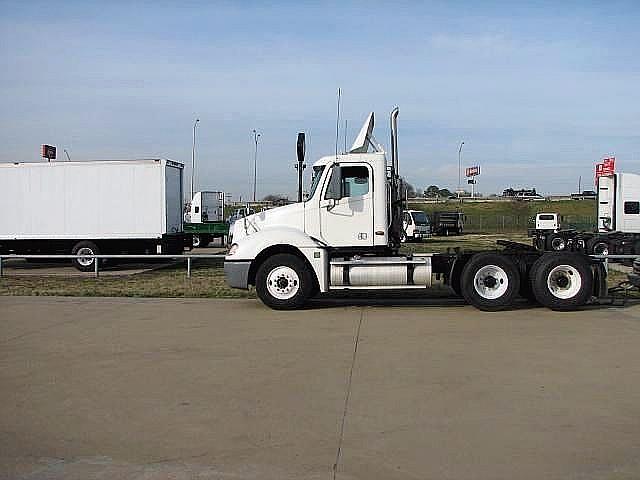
x=548, y=222
x=415, y=225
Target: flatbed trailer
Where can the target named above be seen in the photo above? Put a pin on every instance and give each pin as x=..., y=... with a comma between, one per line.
x=203, y=233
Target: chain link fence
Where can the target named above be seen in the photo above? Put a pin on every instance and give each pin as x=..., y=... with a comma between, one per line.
x=520, y=223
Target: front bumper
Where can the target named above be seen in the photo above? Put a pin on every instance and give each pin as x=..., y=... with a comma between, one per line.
x=237, y=273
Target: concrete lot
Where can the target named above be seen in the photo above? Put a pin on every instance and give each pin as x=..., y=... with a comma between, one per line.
x=218, y=389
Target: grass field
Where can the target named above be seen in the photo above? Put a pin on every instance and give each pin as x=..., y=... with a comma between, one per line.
x=207, y=277
x=516, y=216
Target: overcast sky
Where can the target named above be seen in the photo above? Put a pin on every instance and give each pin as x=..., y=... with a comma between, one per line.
x=538, y=92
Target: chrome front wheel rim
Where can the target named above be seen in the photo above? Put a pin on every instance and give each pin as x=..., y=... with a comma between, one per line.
x=283, y=283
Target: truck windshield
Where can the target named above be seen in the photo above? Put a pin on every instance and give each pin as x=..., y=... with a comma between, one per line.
x=315, y=179
x=420, y=218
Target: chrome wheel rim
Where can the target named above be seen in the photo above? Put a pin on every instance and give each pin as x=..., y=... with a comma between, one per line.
x=283, y=283
x=564, y=281
x=558, y=244
x=491, y=282
x=85, y=261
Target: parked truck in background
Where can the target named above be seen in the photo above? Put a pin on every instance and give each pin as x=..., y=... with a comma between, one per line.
x=91, y=208
x=618, y=216
x=447, y=223
x=204, y=220
x=415, y=226
x=346, y=237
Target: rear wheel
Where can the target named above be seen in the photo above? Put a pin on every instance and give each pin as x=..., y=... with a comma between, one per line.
x=556, y=243
x=490, y=281
x=284, y=282
x=562, y=281
x=84, y=264
x=596, y=246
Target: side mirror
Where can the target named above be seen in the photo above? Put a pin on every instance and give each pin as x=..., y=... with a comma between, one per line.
x=335, y=181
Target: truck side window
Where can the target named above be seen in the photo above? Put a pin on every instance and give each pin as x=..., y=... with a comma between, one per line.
x=632, y=208
x=355, y=181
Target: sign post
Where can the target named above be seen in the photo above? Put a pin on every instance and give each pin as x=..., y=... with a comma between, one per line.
x=471, y=173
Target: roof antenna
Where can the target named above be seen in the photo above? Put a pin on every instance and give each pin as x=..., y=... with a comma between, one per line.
x=338, y=121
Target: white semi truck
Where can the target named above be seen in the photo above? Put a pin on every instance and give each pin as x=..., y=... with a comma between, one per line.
x=89, y=208
x=618, y=214
x=346, y=236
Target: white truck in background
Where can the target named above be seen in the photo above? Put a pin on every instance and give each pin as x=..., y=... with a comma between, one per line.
x=91, y=208
x=346, y=237
x=618, y=229
x=415, y=226
x=204, y=219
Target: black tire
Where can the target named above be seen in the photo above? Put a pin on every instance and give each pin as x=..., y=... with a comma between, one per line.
x=562, y=281
x=597, y=246
x=403, y=237
x=267, y=278
x=556, y=243
x=490, y=281
x=196, y=240
x=88, y=248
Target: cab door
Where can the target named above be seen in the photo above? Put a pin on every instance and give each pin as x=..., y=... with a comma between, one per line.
x=346, y=219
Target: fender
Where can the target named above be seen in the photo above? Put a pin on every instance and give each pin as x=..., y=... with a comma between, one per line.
x=251, y=247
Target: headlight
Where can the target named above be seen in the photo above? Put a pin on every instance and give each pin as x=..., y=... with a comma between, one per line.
x=232, y=250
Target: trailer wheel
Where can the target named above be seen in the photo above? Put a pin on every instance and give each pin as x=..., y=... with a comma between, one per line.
x=490, y=281
x=284, y=282
x=562, y=281
x=84, y=248
x=596, y=246
x=556, y=243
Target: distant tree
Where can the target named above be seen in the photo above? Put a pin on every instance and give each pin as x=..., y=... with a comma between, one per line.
x=411, y=191
x=432, y=191
x=445, y=193
x=276, y=198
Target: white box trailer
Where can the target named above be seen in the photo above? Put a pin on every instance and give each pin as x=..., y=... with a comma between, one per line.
x=109, y=207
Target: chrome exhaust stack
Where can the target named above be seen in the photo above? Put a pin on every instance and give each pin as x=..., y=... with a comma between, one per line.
x=394, y=140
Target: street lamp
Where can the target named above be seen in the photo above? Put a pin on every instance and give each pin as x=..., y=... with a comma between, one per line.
x=193, y=157
x=460, y=168
x=256, y=136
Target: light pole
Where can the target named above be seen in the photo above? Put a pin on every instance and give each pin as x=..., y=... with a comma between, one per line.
x=256, y=136
x=459, y=167
x=193, y=157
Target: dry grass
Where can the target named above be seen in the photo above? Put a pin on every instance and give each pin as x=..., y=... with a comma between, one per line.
x=207, y=280
x=207, y=277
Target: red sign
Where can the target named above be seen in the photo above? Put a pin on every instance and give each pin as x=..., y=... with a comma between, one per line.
x=472, y=171
x=607, y=167
x=49, y=152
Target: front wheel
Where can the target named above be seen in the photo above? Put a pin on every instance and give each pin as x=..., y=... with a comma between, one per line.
x=562, y=281
x=284, y=282
x=490, y=281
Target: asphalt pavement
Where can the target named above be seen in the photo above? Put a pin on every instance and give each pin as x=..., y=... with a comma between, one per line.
x=117, y=388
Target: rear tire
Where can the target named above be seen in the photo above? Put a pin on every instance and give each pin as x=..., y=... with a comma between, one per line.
x=556, y=243
x=562, y=281
x=84, y=247
x=596, y=246
x=490, y=281
x=284, y=282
